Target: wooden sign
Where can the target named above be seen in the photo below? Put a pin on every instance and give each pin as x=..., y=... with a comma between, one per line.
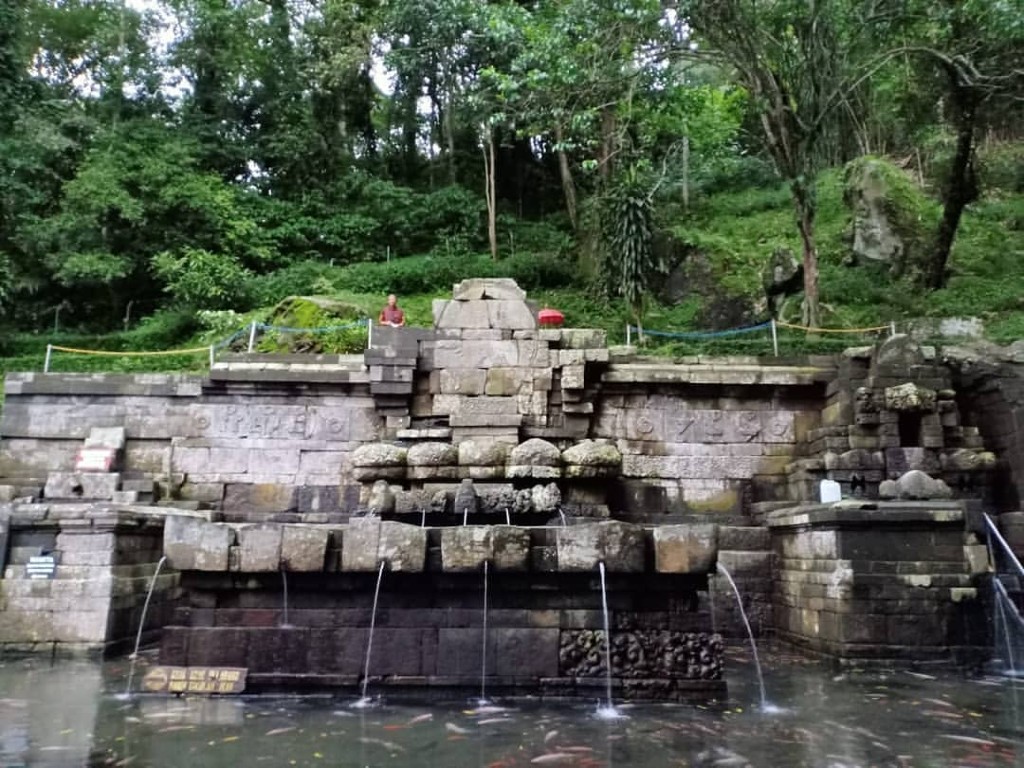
x=41, y=567
x=195, y=680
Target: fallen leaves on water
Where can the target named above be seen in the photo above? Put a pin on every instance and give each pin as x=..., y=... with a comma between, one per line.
x=228, y=739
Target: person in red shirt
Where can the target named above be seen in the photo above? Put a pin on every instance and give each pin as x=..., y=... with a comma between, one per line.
x=391, y=314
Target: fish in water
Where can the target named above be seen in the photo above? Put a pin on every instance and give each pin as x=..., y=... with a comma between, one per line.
x=388, y=745
x=968, y=739
x=720, y=756
x=420, y=719
x=549, y=737
x=453, y=728
x=555, y=758
x=490, y=720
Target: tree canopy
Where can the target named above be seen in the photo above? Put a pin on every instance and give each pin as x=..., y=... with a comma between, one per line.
x=173, y=151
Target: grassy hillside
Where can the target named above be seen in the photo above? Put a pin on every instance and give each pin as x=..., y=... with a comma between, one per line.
x=730, y=234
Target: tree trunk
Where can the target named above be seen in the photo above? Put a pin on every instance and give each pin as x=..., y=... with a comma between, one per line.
x=607, y=149
x=961, y=190
x=489, y=193
x=803, y=201
x=568, y=185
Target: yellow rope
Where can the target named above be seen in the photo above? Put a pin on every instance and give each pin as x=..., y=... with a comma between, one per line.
x=832, y=330
x=107, y=353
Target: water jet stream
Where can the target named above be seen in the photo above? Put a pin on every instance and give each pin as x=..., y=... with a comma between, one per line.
x=750, y=633
x=284, y=593
x=369, y=642
x=608, y=711
x=142, y=623
x=483, y=652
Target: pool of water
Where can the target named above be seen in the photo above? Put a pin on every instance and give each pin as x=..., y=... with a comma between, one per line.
x=69, y=714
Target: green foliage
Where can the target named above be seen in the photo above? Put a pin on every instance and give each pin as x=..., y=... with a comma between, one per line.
x=437, y=273
x=201, y=279
x=629, y=264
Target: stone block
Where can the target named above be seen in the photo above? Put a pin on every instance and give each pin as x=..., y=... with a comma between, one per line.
x=455, y=315
x=465, y=548
x=507, y=381
x=304, y=548
x=526, y=653
x=573, y=377
x=260, y=497
x=500, y=288
x=685, y=548
x=513, y=315
x=462, y=381
x=620, y=546
x=192, y=544
x=259, y=548
x=82, y=485
x=369, y=540
x=476, y=353
x=106, y=437
x=582, y=338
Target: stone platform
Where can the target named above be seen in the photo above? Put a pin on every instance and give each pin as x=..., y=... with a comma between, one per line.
x=879, y=582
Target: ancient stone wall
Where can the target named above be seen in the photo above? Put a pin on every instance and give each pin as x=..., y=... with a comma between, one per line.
x=105, y=560
x=879, y=582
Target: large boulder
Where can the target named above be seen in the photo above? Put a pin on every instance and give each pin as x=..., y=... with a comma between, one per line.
x=890, y=213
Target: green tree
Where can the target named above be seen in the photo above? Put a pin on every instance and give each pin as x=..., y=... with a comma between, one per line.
x=800, y=62
x=629, y=264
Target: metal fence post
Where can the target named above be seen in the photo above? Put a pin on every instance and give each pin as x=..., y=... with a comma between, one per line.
x=775, y=338
x=49, y=354
x=892, y=328
x=629, y=335
x=369, y=333
x=213, y=354
x=252, y=337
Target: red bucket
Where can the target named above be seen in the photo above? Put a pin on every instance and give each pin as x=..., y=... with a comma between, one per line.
x=550, y=318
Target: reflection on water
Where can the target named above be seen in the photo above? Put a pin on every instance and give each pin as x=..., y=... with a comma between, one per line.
x=68, y=714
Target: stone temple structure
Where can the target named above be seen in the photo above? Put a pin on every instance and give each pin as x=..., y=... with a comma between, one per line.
x=489, y=442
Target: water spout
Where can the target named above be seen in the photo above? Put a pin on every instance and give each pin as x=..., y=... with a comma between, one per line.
x=423, y=517
x=608, y=711
x=364, y=701
x=561, y=514
x=508, y=516
x=750, y=633
x=465, y=516
x=483, y=644
x=142, y=623
x=284, y=597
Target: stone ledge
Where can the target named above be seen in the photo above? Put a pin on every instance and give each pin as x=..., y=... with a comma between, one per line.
x=715, y=373
x=856, y=513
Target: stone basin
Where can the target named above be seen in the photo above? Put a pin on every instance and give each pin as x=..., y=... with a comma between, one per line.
x=465, y=548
